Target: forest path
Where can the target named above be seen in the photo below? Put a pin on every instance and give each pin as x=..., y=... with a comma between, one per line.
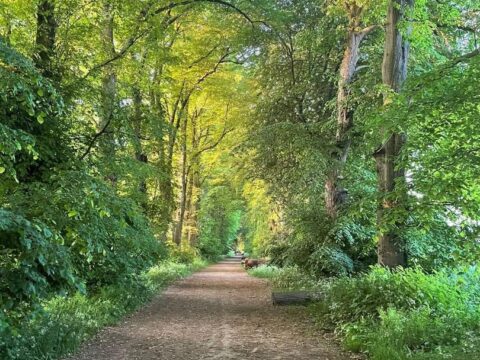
x=218, y=313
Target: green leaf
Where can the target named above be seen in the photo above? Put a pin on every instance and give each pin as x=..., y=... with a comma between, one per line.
x=41, y=117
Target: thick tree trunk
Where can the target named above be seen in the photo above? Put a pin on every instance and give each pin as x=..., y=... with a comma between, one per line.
x=391, y=246
x=334, y=194
x=45, y=37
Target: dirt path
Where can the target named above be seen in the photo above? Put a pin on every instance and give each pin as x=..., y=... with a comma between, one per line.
x=218, y=313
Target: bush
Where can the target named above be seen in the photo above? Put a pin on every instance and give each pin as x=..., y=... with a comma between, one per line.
x=406, y=314
x=286, y=278
x=64, y=323
x=265, y=271
x=183, y=254
x=323, y=248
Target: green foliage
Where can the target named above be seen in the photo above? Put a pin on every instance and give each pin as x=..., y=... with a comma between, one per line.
x=31, y=109
x=184, y=254
x=264, y=271
x=219, y=221
x=64, y=323
x=323, y=248
x=62, y=228
x=32, y=252
x=405, y=313
x=422, y=334
x=234, y=128
x=286, y=278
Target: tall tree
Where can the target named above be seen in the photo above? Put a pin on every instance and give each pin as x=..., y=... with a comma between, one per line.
x=108, y=91
x=391, y=243
x=356, y=33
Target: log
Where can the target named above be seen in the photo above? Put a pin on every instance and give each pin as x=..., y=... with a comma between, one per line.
x=292, y=298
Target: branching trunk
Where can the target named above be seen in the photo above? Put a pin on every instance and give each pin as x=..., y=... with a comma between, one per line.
x=334, y=194
x=391, y=246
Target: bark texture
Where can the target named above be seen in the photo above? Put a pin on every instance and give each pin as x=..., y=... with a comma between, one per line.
x=137, y=125
x=335, y=195
x=178, y=232
x=391, y=246
x=109, y=91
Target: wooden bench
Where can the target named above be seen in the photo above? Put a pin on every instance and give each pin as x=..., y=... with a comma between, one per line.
x=282, y=298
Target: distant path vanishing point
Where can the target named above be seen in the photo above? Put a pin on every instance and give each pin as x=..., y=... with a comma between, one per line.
x=218, y=313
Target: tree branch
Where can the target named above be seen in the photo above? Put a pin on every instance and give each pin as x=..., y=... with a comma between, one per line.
x=94, y=139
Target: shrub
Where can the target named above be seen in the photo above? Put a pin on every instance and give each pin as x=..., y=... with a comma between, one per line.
x=351, y=299
x=265, y=271
x=406, y=314
x=286, y=278
x=65, y=322
x=183, y=254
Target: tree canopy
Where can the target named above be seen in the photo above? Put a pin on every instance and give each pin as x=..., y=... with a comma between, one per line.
x=326, y=135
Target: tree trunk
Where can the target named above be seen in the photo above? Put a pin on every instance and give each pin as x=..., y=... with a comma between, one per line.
x=194, y=207
x=109, y=93
x=391, y=245
x=194, y=182
x=45, y=37
x=334, y=194
x=137, y=126
x=177, y=236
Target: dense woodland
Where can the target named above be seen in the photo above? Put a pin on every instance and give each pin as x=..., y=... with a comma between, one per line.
x=340, y=139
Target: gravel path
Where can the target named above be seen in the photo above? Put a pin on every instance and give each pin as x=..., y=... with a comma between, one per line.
x=218, y=313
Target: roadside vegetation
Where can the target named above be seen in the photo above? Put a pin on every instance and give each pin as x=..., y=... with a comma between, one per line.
x=62, y=324
x=339, y=139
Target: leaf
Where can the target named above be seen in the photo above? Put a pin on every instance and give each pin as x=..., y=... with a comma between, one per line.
x=41, y=117
x=2, y=169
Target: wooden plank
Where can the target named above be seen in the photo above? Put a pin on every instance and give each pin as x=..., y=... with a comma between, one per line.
x=292, y=298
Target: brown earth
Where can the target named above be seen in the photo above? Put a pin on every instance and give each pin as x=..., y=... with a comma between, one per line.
x=218, y=313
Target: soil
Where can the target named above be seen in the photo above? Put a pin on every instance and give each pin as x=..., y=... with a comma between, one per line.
x=218, y=313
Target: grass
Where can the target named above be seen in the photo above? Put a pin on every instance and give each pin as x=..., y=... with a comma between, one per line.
x=289, y=278
x=64, y=323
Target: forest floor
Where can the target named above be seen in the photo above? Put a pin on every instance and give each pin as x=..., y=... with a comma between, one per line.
x=218, y=313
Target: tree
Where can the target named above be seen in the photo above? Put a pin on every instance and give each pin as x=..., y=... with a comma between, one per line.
x=391, y=178
x=335, y=195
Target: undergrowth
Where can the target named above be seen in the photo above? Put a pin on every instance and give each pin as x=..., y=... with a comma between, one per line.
x=395, y=315
x=286, y=278
x=62, y=324
x=405, y=314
